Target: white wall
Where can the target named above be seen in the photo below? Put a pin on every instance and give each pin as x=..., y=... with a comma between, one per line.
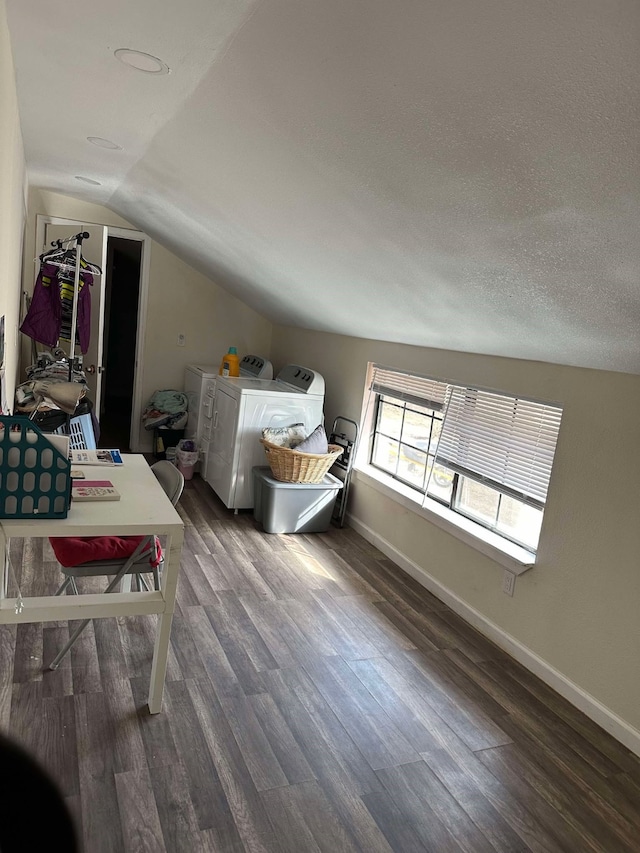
x=181, y=300
x=577, y=610
x=12, y=208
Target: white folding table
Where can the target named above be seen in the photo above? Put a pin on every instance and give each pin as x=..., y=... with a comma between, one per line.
x=143, y=508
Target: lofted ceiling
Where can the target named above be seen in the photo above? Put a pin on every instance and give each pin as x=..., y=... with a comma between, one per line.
x=462, y=174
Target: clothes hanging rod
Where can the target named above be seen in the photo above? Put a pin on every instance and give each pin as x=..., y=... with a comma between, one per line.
x=58, y=244
x=77, y=239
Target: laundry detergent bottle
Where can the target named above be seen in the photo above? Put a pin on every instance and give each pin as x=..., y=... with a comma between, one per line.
x=230, y=365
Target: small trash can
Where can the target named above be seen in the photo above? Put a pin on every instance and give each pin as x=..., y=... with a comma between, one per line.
x=187, y=456
x=293, y=507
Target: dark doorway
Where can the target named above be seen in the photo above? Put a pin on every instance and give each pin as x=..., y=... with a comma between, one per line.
x=124, y=259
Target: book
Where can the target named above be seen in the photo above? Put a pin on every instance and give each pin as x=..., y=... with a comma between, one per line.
x=94, y=490
x=95, y=457
x=77, y=474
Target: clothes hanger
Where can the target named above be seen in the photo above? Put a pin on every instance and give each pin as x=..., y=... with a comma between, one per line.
x=66, y=257
x=66, y=260
x=94, y=269
x=52, y=253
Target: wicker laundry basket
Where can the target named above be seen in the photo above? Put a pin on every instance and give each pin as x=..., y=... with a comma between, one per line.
x=291, y=466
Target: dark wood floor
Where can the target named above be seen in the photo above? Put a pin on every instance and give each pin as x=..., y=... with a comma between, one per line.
x=317, y=700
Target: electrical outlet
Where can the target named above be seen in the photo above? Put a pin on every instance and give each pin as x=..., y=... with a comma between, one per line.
x=181, y=340
x=508, y=582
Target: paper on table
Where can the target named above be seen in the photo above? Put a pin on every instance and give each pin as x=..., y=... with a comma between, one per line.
x=96, y=457
x=60, y=442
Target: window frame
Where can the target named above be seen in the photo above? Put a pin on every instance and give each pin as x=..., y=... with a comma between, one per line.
x=380, y=401
x=451, y=510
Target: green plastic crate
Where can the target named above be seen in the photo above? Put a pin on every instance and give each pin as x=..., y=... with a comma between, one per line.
x=35, y=478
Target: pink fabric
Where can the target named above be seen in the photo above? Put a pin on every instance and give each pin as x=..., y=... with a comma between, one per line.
x=73, y=550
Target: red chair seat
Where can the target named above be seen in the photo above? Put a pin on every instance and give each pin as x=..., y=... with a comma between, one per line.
x=74, y=550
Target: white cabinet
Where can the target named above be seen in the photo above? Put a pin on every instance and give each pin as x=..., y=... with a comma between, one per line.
x=197, y=377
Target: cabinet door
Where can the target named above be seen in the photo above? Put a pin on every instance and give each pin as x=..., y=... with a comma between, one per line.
x=220, y=473
x=193, y=390
x=225, y=425
x=204, y=457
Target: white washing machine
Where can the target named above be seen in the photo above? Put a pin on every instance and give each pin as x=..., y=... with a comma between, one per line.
x=242, y=409
x=199, y=386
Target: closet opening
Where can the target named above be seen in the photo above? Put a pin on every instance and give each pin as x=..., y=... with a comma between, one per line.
x=121, y=300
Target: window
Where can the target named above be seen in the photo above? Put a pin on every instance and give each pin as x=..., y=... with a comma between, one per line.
x=484, y=455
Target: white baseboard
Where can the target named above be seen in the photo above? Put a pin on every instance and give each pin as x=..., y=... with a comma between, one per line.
x=595, y=710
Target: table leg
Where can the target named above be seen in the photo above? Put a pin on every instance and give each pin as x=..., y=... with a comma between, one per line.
x=159, y=666
x=163, y=629
x=4, y=556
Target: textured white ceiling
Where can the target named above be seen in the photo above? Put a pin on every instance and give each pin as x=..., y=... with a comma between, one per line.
x=461, y=174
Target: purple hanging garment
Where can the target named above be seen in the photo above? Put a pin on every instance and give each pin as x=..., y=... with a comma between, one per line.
x=46, y=321
x=42, y=322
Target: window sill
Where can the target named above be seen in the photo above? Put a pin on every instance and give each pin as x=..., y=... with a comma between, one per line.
x=509, y=555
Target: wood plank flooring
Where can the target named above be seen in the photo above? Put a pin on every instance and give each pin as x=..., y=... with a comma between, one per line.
x=317, y=699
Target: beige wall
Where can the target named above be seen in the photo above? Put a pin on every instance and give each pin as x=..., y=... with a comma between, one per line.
x=181, y=300
x=578, y=609
x=12, y=208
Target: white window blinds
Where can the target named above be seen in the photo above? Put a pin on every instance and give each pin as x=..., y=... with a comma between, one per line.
x=419, y=390
x=505, y=441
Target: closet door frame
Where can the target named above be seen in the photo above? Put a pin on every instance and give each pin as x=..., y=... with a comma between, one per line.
x=143, y=297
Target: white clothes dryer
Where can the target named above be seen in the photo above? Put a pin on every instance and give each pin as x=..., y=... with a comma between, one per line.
x=242, y=409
